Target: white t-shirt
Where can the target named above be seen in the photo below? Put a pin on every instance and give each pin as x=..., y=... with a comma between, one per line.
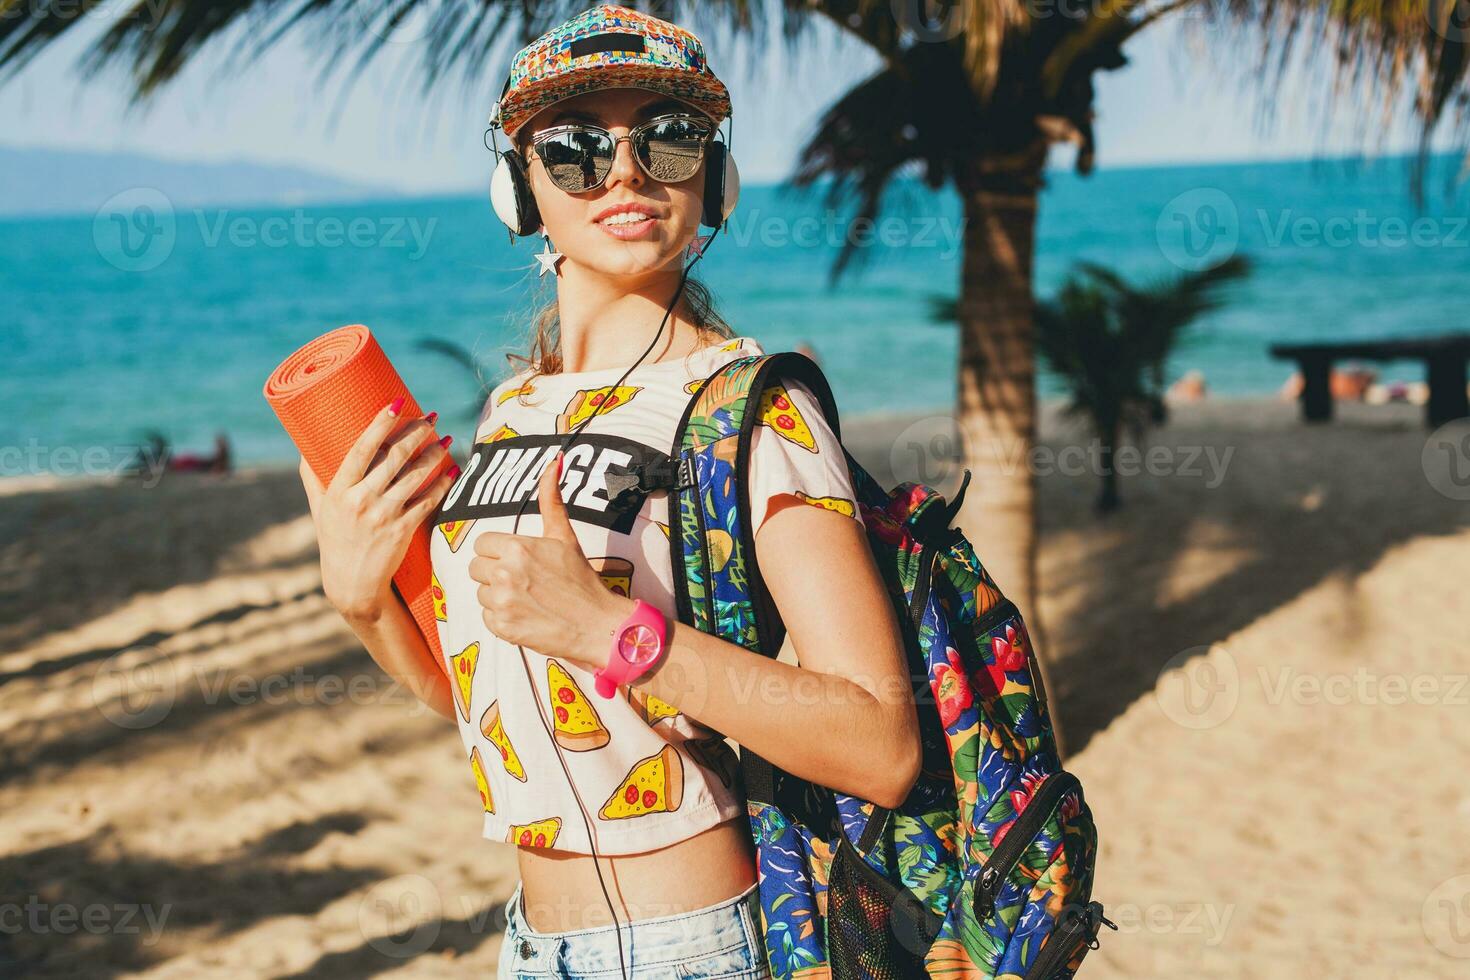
x=647, y=775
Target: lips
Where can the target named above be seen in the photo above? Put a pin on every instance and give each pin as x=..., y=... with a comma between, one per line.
x=635, y=212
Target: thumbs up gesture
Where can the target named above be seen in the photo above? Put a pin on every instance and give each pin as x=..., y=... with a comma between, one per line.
x=541, y=592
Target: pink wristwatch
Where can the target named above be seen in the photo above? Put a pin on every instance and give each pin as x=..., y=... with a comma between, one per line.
x=637, y=644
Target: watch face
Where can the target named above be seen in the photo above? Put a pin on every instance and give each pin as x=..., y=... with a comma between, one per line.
x=638, y=644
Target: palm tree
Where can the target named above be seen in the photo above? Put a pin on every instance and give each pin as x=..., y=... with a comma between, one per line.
x=1108, y=340
x=971, y=93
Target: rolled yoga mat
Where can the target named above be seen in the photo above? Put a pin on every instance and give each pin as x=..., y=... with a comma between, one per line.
x=325, y=395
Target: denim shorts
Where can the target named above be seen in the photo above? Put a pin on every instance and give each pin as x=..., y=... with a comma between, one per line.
x=719, y=942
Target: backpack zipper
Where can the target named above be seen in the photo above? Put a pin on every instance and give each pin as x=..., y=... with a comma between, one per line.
x=1076, y=929
x=1004, y=858
x=709, y=585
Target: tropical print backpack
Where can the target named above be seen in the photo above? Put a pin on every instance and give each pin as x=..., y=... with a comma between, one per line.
x=986, y=869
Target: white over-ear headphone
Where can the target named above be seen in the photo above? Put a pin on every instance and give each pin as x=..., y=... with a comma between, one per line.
x=514, y=204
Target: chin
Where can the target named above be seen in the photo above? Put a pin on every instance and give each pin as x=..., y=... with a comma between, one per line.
x=630, y=259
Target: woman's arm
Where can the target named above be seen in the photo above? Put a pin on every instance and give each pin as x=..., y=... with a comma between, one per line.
x=844, y=719
x=365, y=518
x=392, y=638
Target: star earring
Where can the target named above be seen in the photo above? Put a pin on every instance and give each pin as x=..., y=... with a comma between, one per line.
x=548, y=258
x=696, y=247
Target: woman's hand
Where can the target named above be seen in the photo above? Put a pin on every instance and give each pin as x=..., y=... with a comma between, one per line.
x=367, y=515
x=542, y=593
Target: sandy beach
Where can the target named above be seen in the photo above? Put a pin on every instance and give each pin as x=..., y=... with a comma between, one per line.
x=1260, y=663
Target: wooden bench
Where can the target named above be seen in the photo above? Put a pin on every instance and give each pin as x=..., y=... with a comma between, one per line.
x=1444, y=359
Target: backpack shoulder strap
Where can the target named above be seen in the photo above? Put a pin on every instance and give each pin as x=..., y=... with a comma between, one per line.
x=716, y=579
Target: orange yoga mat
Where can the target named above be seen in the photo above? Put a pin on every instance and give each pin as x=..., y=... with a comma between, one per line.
x=325, y=395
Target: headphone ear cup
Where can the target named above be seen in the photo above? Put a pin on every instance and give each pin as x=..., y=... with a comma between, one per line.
x=721, y=184
x=511, y=197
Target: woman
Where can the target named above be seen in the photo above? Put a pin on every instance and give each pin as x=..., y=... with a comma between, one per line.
x=634, y=851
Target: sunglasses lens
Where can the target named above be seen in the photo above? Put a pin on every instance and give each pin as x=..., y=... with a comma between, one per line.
x=577, y=161
x=671, y=150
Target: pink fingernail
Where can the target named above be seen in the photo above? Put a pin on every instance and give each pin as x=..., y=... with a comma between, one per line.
x=558, y=466
x=395, y=405
x=454, y=472
x=446, y=441
x=431, y=417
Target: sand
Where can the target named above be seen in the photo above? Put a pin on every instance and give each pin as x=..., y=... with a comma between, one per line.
x=1262, y=679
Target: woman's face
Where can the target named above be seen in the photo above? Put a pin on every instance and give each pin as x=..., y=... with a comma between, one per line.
x=577, y=223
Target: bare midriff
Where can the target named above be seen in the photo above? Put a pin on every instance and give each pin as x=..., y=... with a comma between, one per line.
x=561, y=892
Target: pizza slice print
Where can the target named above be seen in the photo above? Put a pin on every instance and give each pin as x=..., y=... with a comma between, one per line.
x=594, y=401
x=840, y=504
x=651, y=709
x=462, y=669
x=436, y=592
x=616, y=573
x=503, y=432
x=454, y=532
x=481, y=782
x=542, y=833
x=653, y=785
x=505, y=396
x=492, y=729
x=778, y=412
x=577, y=726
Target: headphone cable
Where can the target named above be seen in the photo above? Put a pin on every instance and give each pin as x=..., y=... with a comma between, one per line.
x=525, y=662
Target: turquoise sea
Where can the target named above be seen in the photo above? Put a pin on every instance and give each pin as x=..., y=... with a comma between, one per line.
x=147, y=315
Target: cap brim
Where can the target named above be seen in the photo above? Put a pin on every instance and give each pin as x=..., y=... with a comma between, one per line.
x=704, y=92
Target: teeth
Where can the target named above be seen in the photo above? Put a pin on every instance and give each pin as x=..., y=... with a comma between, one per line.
x=625, y=218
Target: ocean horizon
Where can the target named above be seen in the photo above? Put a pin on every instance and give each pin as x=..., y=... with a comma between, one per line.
x=108, y=310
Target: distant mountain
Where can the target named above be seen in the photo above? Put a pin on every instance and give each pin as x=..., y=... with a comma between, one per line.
x=42, y=181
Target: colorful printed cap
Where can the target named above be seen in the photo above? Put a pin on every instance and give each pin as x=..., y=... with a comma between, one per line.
x=610, y=47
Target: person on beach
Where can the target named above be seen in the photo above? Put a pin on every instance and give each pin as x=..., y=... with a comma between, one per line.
x=594, y=722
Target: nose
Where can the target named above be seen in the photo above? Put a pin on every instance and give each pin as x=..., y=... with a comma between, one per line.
x=625, y=169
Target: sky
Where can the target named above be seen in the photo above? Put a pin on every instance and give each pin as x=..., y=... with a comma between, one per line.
x=1176, y=102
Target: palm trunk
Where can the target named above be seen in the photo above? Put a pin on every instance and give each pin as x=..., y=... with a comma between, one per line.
x=996, y=414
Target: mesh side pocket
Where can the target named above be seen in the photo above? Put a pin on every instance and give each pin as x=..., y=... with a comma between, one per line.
x=876, y=930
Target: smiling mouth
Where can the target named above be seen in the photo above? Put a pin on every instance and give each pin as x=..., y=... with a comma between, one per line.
x=625, y=218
